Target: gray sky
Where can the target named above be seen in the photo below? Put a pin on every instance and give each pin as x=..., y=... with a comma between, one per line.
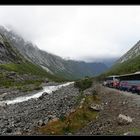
x=76, y=32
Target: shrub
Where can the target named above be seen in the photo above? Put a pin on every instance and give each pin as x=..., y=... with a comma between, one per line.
x=83, y=84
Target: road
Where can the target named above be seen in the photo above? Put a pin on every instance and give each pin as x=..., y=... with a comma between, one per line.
x=114, y=103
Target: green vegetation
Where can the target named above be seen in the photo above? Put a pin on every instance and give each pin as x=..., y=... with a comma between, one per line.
x=80, y=97
x=35, y=73
x=129, y=66
x=23, y=68
x=28, y=68
x=72, y=122
x=134, y=130
x=83, y=84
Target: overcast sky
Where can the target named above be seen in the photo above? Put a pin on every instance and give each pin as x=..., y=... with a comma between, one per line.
x=77, y=32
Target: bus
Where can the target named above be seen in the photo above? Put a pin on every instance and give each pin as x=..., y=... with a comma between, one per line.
x=130, y=82
x=111, y=81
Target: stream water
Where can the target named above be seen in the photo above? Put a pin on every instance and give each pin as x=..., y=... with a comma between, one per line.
x=48, y=89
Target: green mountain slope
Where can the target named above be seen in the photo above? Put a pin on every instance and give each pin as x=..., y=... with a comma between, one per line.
x=16, y=71
x=128, y=63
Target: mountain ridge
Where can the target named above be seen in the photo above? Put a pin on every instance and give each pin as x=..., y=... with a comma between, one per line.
x=52, y=63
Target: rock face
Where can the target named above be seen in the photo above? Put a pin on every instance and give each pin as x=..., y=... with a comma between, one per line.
x=124, y=120
x=7, y=52
x=133, y=52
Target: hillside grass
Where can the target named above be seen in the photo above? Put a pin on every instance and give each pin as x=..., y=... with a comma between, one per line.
x=25, y=68
x=29, y=68
x=129, y=66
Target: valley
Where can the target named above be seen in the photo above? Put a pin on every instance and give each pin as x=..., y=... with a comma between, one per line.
x=44, y=94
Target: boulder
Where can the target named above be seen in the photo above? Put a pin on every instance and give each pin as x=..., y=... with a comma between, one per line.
x=40, y=123
x=96, y=107
x=2, y=104
x=128, y=134
x=72, y=110
x=45, y=93
x=41, y=97
x=2, y=96
x=12, y=73
x=54, y=119
x=124, y=120
x=82, y=101
x=8, y=130
x=45, y=121
x=50, y=117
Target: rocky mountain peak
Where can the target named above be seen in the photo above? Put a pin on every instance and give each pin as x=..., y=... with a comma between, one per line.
x=132, y=53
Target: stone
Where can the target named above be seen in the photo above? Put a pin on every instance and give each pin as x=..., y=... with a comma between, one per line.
x=69, y=134
x=51, y=117
x=96, y=107
x=2, y=96
x=8, y=130
x=40, y=122
x=54, y=119
x=41, y=97
x=80, y=106
x=82, y=101
x=128, y=134
x=2, y=104
x=46, y=121
x=45, y=93
x=18, y=132
x=124, y=120
x=72, y=110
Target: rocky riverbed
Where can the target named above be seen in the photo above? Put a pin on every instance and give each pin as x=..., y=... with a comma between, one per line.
x=22, y=118
x=119, y=114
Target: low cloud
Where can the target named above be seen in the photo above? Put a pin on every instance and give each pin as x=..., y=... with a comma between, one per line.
x=76, y=32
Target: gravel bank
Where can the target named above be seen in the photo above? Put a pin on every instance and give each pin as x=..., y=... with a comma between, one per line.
x=22, y=118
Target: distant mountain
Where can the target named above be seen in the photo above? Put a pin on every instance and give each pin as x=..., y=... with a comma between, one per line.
x=51, y=63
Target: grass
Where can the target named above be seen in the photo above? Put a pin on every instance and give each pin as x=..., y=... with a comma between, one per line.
x=134, y=130
x=129, y=66
x=25, y=85
x=74, y=121
x=25, y=68
x=31, y=69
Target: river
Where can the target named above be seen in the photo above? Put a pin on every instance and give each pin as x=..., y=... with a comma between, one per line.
x=48, y=89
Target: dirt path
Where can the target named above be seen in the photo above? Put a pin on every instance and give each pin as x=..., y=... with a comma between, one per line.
x=114, y=102
x=135, y=97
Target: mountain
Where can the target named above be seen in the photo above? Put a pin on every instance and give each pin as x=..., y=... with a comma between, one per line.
x=128, y=63
x=17, y=72
x=53, y=64
x=132, y=53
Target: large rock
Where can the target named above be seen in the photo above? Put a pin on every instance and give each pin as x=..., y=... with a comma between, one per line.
x=2, y=96
x=41, y=123
x=54, y=120
x=96, y=107
x=124, y=120
x=2, y=104
x=45, y=93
